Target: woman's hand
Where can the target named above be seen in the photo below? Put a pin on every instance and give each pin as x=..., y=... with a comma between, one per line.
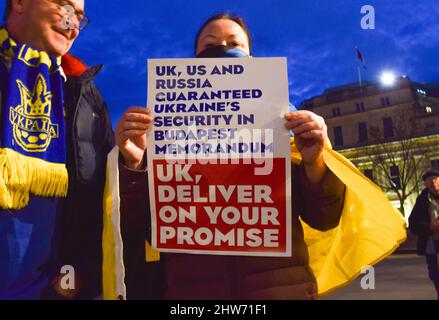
x=131, y=135
x=310, y=135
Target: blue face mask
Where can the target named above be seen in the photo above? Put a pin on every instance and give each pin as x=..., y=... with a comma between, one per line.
x=221, y=51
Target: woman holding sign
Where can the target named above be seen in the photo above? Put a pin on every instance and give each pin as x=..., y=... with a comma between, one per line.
x=318, y=200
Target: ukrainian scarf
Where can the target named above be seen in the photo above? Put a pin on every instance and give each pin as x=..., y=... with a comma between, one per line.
x=32, y=145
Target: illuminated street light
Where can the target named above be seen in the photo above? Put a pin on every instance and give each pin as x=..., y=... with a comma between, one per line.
x=387, y=78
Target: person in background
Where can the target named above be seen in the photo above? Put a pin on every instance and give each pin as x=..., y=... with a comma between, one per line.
x=424, y=223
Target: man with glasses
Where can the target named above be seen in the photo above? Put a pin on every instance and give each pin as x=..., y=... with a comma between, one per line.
x=424, y=222
x=55, y=134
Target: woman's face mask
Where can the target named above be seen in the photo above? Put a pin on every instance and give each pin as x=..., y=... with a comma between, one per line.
x=220, y=51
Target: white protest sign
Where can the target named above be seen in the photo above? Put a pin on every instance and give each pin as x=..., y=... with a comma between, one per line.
x=219, y=156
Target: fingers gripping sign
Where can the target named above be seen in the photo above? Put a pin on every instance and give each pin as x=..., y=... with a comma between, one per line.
x=131, y=133
x=311, y=134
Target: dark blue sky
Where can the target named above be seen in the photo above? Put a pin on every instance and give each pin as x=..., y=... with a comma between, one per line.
x=317, y=36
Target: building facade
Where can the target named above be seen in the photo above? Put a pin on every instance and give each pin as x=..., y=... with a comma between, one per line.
x=391, y=133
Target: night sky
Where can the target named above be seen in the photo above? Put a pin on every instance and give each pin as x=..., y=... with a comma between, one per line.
x=317, y=36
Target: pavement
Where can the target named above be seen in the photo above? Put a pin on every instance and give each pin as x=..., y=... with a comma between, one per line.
x=402, y=276
x=409, y=246
x=399, y=277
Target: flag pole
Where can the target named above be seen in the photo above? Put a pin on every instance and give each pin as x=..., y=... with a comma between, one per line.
x=361, y=58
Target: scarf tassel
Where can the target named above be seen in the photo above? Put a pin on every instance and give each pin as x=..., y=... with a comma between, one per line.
x=22, y=175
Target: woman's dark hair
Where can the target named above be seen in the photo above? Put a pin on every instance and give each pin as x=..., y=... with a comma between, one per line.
x=226, y=16
x=8, y=7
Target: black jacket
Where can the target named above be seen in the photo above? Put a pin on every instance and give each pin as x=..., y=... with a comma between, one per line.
x=419, y=221
x=89, y=137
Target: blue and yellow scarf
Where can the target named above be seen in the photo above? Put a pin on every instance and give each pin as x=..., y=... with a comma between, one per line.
x=32, y=140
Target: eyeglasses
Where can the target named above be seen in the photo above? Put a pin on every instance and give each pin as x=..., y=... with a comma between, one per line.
x=68, y=11
x=83, y=23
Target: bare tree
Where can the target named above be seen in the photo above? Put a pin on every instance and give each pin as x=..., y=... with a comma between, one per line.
x=398, y=159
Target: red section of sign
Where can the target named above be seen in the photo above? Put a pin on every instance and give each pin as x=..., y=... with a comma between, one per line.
x=247, y=211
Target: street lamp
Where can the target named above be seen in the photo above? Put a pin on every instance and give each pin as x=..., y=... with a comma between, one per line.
x=387, y=78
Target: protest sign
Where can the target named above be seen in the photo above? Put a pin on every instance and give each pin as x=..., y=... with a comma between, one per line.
x=219, y=156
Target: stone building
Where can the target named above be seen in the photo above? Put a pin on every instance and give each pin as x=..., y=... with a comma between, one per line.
x=390, y=132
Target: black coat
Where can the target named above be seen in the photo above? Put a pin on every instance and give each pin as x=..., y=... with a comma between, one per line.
x=89, y=139
x=419, y=221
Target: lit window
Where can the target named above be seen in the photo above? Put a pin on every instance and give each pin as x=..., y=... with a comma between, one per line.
x=428, y=109
x=395, y=177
